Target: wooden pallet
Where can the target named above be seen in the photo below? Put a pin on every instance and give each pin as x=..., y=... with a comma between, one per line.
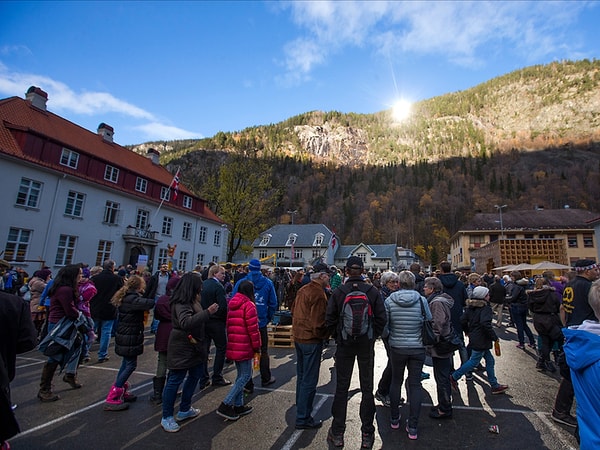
x=280, y=336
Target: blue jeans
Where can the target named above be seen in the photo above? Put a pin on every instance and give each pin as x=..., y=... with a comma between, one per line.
x=235, y=396
x=128, y=366
x=519, y=314
x=104, y=327
x=476, y=356
x=308, y=364
x=174, y=380
x=414, y=363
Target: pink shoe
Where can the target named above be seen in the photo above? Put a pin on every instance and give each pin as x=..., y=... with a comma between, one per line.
x=114, y=400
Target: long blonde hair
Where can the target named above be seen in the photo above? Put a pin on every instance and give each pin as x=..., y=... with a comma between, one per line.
x=133, y=283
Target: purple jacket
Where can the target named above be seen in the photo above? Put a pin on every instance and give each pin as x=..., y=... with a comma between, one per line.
x=162, y=312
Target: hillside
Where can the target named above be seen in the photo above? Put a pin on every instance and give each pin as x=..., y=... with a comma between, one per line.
x=527, y=138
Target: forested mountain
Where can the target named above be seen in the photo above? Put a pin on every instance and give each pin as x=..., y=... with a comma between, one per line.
x=531, y=137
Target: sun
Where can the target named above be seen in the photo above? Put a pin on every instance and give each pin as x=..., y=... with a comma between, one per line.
x=401, y=110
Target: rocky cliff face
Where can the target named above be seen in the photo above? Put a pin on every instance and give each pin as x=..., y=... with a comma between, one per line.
x=338, y=144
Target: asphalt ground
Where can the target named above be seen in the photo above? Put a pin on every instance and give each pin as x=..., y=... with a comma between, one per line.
x=77, y=420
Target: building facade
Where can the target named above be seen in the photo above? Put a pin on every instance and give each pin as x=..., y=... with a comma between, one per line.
x=72, y=195
x=525, y=236
x=375, y=257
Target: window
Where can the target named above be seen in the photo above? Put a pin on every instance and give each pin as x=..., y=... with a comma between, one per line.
x=318, y=240
x=262, y=253
x=141, y=219
x=167, y=225
x=104, y=251
x=141, y=184
x=74, y=205
x=182, y=263
x=291, y=239
x=29, y=193
x=572, y=240
x=215, y=259
x=588, y=240
x=202, y=235
x=217, y=239
x=280, y=253
x=187, y=231
x=69, y=158
x=165, y=193
x=265, y=240
x=16, y=244
x=546, y=236
x=316, y=254
x=200, y=259
x=362, y=256
x=298, y=253
x=187, y=202
x=163, y=256
x=111, y=212
x=111, y=174
x=66, y=248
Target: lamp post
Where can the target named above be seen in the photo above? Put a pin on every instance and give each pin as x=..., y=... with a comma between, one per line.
x=293, y=237
x=292, y=213
x=499, y=208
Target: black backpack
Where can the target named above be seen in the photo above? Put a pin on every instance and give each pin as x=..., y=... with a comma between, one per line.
x=356, y=314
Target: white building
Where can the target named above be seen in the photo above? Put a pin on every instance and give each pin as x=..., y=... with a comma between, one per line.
x=71, y=195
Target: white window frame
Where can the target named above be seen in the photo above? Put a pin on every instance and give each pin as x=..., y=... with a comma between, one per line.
x=262, y=253
x=202, y=233
x=291, y=239
x=17, y=244
x=141, y=184
x=167, y=226
x=104, y=251
x=316, y=253
x=75, y=203
x=187, y=202
x=265, y=240
x=215, y=259
x=318, y=242
x=217, y=238
x=182, y=263
x=298, y=253
x=280, y=253
x=112, y=211
x=30, y=192
x=65, y=250
x=165, y=193
x=141, y=218
x=200, y=259
x=186, y=233
x=69, y=158
x=111, y=174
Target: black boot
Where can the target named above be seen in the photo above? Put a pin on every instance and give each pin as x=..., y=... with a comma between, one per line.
x=158, y=384
x=45, y=393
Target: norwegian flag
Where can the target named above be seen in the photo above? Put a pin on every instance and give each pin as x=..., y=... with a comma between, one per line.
x=333, y=241
x=175, y=185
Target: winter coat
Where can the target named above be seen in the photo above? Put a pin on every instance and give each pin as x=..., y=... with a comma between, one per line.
x=405, y=319
x=440, y=305
x=477, y=324
x=575, y=301
x=265, y=297
x=515, y=294
x=152, y=285
x=308, y=314
x=497, y=293
x=107, y=284
x=243, y=336
x=456, y=289
x=63, y=303
x=336, y=301
x=214, y=292
x=581, y=350
x=188, y=325
x=545, y=306
x=162, y=312
x=87, y=291
x=129, y=340
x=36, y=287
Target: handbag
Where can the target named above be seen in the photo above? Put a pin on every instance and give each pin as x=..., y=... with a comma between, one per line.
x=427, y=334
x=448, y=344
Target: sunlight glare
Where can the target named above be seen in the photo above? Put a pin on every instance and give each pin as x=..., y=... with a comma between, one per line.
x=401, y=110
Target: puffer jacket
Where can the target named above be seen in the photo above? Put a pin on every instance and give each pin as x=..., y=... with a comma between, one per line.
x=243, y=337
x=265, y=297
x=477, y=324
x=440, y=305
x=36, y=287
x=188, y=321
x=405, y=319
x=129, y=340
x=543, y=301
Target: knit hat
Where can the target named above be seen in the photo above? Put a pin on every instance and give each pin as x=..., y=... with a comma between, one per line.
x=43, y=274
x=254, y=264
x=85, y=272
x=480, y=292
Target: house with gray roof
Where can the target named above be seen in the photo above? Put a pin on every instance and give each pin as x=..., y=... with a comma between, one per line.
x=376, y=257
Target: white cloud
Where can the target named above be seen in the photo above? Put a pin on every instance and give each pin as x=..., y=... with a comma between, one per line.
x=155, y=131
x=464, y=33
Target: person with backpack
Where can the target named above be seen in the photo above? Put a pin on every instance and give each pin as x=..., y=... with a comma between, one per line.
x=406, y=310
x=517, y=299
x=355, y=317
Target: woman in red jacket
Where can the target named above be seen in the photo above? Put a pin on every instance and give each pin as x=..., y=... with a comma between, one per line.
x=243, y=341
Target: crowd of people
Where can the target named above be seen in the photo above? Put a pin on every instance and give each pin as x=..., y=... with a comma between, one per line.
x=421, y=319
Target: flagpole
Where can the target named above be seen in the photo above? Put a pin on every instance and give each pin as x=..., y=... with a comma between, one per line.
x=170, y=186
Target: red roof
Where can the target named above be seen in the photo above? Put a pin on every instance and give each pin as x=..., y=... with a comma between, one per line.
x=19, y=114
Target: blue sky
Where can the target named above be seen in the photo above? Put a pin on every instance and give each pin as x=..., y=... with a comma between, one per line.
x=175, y=70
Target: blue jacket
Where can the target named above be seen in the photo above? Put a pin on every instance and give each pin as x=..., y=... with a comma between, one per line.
x=583, y=357
x=265, y=297
x=405, y=319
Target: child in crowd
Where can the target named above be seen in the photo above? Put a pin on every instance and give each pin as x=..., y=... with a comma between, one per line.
x=243, y=341
x=477, y=324
x=87, y=290
x=129, y=341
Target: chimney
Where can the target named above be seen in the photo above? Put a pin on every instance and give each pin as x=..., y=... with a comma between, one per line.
x=106, y=131
x=37, y=97
x=153, y=155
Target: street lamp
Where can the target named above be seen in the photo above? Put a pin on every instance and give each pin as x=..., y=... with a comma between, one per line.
x=292, y=213
x=293, y=238
x=499, y=208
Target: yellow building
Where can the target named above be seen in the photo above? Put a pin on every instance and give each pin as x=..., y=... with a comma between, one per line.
x=525, y=236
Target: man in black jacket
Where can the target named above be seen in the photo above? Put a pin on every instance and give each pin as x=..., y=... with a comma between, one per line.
x=347, y=352
x=497, y=294
x=214, y=330
x=103, y=312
